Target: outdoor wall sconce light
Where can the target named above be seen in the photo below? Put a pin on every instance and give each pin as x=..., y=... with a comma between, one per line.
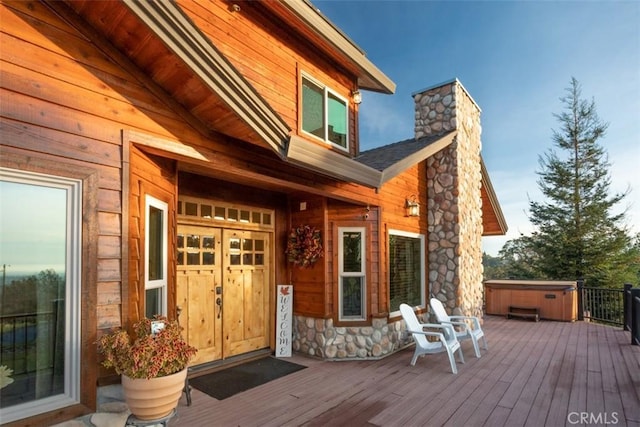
x=357, y=96
x=412, y=206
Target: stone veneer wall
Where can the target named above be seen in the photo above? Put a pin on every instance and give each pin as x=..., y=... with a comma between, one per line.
x=454, y=199
x=319, y=338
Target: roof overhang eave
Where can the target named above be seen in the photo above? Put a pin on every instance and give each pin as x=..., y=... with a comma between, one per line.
x=370, y=77
x=493, y=200
x=168, y=22
x=314, y=157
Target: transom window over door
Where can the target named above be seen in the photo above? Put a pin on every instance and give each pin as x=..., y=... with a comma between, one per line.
x=40, y=257
x=406, y=270
x=325, y=114
x=352, y=277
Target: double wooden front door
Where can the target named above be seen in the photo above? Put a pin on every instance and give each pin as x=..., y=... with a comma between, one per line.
x=223, y=290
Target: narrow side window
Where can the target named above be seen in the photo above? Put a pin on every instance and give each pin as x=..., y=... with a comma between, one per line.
x=155, y=275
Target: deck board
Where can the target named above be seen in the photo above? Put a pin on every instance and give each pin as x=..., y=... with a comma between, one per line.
x=534, y=374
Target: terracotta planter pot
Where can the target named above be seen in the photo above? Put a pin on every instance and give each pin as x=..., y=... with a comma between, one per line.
x=155, y=398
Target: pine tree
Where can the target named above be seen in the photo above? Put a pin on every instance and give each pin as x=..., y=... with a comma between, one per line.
x=577, y=235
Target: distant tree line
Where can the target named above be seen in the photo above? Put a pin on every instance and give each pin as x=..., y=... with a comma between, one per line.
x=577, y=234
x=23, y=295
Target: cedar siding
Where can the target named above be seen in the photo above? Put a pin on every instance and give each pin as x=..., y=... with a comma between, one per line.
x=92, y=91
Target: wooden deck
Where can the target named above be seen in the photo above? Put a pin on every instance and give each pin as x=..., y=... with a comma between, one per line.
x=534, y=374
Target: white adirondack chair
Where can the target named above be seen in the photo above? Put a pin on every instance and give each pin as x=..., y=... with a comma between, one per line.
x=466, y=332
x=447, y=338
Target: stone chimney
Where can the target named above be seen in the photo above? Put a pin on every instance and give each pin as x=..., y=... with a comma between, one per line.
x=454, y=198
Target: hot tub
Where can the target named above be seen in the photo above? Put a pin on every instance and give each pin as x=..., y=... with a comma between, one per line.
x=554, y=300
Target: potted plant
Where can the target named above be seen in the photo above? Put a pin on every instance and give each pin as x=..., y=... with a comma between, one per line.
x=152, y=363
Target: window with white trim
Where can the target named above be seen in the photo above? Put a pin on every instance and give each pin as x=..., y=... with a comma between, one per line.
x=406, y=270
x=40, y=257
x=352, y=278
x=325, y=114
x=155, y=254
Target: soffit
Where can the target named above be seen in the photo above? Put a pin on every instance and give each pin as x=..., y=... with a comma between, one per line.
x=159, y=39
x=304, y=18
x=493, y=221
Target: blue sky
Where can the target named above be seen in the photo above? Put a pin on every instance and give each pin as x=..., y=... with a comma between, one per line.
x=515, y=58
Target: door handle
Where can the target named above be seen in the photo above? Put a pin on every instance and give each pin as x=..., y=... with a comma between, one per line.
x=219, y=304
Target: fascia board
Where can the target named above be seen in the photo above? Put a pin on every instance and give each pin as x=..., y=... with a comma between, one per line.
x=322, y=160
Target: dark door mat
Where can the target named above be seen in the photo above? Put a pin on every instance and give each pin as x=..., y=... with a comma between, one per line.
x=226, y=383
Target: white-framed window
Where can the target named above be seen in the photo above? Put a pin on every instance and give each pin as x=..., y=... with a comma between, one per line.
x=325, y=114
x=155, y=256
x=40, y=257
x=406, y=270
x=352, y=273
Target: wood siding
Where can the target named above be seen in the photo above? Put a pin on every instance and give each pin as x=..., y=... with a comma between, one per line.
x=269, y=57
x=74, y=105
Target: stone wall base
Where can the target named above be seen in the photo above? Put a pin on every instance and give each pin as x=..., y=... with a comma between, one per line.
x=320, y=338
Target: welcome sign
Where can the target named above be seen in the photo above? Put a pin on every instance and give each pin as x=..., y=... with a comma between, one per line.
x=284, y=322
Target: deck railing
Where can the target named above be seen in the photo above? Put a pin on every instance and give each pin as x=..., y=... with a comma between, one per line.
x=620, y=307
x=22, y=334
x=632, y=313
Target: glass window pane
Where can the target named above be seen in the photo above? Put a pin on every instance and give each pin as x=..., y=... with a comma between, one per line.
x=234, y=243
x=205, y=211
x=266, y=219
x=313, y=109
x=259, y=259
x=352, y=297
x=405, y=270
x=208, y=242
x=180, y=258
x=244, y=216
x=337, y=121
x=247, y=244
x=193, y=241
x=234, y=259
x=208, y=258
x=193, y=258
x=233, y=214
x=33, y=230
x=155, y=243
x=247, y=259
x=259, y=245
x=220, y=212
x=153, y=302
x=180, y=241
x=352, y=252
x=255, y=217
x=191, y=209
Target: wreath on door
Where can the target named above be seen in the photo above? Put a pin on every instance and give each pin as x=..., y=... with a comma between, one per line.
x=304, y=246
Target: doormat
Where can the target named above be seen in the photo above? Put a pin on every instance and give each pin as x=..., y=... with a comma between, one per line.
x=226, y=383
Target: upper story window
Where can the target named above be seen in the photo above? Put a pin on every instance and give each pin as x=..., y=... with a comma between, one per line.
x=325, y=114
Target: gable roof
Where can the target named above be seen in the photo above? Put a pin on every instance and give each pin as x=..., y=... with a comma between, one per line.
x=219, y=95
x=318, y=28
x=393, y=159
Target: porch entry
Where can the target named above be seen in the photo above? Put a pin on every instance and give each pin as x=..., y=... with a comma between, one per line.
x=223, y=287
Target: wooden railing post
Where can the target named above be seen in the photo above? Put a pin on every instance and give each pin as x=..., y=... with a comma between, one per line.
x=580, y=299
x=635, y=316
x=626, y=306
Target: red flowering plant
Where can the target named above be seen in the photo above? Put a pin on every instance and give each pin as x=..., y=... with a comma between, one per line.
x=151, y=354
x=304, y=246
